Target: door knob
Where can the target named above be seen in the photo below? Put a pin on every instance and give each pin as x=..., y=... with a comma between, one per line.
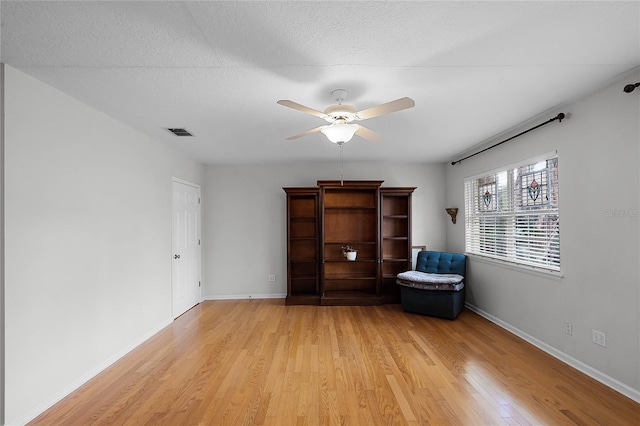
x=177, y=256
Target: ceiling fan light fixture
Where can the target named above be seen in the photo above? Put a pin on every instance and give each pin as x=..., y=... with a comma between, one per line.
x=339, y=132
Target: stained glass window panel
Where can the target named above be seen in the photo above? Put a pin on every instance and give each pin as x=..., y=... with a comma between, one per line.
x=487, y=195
x=534, y=189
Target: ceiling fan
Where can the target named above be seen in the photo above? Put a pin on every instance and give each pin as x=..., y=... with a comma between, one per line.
x=340, y=117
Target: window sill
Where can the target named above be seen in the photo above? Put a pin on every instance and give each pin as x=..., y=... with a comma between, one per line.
x=531, y=270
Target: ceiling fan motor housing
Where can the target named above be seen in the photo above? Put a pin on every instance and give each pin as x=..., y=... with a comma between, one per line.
x=340, y=112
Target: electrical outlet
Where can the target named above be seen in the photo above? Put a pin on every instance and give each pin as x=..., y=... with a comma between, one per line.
x=568, y=328
x=143, y=310
x=599, y=338
x=272, y=278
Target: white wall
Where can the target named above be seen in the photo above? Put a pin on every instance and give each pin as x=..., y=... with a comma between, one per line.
x=245, y=217
x=88, y=241
x=598, y=155
x=2, y=304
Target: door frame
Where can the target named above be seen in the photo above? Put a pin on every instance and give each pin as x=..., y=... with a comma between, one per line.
x=199, y=251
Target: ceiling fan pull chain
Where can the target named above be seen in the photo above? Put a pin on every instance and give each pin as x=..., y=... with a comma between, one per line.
x=341, y=175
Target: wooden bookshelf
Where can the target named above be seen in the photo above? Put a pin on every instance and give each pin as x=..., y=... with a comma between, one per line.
x=302, y=246
x=320, y=221
x=396, y=239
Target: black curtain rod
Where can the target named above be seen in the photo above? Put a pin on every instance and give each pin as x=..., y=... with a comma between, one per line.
x=559, y=117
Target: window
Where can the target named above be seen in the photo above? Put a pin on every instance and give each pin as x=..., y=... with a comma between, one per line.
x=513, y=214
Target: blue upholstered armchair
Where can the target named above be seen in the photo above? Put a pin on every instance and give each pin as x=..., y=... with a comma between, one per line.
x=437, y=286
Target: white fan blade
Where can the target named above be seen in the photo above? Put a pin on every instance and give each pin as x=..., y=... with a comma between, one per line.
x=302, y=108
x=368, y=134
x=397, y=105
x=308, y=132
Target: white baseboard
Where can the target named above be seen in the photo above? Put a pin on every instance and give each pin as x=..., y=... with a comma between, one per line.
x=245, y=296
x=62, y=393
x=614, y=384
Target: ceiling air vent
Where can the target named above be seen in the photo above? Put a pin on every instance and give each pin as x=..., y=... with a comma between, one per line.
x=179, y=132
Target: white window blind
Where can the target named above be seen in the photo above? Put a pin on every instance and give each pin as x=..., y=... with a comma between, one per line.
x=513, y=214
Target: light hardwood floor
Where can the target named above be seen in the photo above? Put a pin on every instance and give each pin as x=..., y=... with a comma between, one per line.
x=260, y=362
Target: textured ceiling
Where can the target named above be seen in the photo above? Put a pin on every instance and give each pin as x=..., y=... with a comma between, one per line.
x=474, y=69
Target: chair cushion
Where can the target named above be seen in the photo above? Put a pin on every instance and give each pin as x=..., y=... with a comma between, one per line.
x=428, y=281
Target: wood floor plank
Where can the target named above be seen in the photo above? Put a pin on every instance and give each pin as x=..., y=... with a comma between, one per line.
x=260, y=362
x=401, y=400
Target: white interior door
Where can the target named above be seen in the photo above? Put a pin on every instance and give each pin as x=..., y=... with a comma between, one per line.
x=185, y=268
